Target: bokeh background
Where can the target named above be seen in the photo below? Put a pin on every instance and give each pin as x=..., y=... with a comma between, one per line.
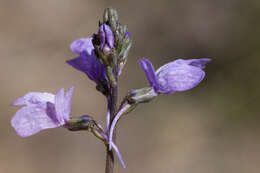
x=212, y=128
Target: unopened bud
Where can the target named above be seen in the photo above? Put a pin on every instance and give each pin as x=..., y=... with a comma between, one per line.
x=106, y=36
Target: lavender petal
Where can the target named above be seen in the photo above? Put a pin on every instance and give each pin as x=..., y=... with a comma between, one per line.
x=178, y=75
x=67, y=103
x=33, y=98
x=149, y=72
x=31, y=119
x=90, y=66
x=51, y=112
x=82, y=46
x=200, y=63
x=59, y=105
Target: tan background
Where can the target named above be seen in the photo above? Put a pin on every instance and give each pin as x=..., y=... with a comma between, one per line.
x=213, y=128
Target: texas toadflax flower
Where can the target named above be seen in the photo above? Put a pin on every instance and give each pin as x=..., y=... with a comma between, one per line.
x=45, y=110
x=178, y=75
x=41, y=111
x=87, y=61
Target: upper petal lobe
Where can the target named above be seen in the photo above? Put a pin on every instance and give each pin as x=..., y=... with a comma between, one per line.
x=149, y=72
x=34, y=98
x=82, y=46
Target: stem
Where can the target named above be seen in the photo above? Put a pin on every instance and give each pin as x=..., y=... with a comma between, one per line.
x=113, y=109
x=122, y=103
x=109, y=161
x=108, y=118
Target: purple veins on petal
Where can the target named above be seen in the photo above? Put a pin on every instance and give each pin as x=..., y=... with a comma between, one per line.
x=179, y=75
x=42, y=111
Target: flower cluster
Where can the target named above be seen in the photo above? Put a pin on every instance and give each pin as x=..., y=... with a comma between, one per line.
x=102, y=58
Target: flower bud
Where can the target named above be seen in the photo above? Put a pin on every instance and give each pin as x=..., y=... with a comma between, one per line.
x=106, y=37
x=111, y=17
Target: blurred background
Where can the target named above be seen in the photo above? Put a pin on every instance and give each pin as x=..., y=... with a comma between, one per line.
x=210, y=129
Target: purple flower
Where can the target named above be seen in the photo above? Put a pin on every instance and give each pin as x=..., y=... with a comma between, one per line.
x=87, y=61
x=41, y=111
x=178, y=75
x=106, y=36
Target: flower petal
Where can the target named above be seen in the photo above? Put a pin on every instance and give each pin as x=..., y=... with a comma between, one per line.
x=60, y=106
x=67, y=104
x=32, y=98
x=31, y=119
x=51, y=112
x=82, y=46
x=201, y=63
x=149, y=72
x=90, y=66
x=180, y=75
